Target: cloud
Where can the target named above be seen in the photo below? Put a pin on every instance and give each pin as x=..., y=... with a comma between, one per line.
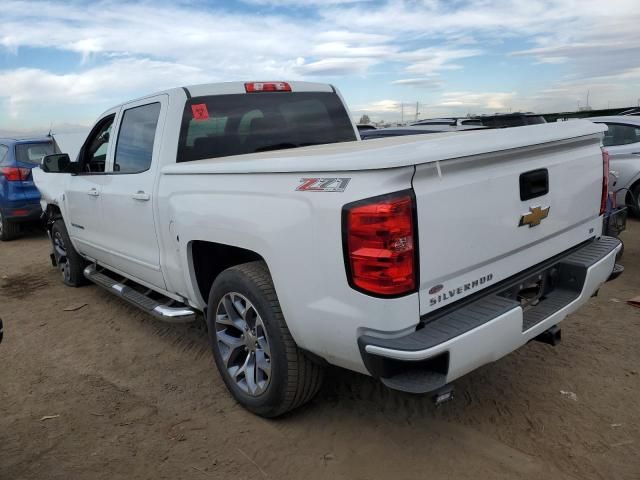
x=425, y=82
x=381, y=106
x=484, y=100
x=27, y=88
x=335, y=66
x=126, y=49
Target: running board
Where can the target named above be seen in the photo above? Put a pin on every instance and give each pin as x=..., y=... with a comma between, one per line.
x=170, y=311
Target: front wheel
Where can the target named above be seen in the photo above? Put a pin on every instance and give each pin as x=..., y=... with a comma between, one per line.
x=254, y=351
x=68, y=260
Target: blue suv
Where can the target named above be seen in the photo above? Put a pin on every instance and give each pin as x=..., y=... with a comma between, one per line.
x=19, y=197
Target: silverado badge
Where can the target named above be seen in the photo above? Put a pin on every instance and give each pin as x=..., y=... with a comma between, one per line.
x=534, y=216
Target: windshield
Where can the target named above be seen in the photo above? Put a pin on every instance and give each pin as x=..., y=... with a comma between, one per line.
x=225, y=125
x=33, y=152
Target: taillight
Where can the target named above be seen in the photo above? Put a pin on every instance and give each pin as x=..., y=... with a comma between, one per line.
x=605, y=182
x=254, y=87
x=15, y=174
x=380, y=245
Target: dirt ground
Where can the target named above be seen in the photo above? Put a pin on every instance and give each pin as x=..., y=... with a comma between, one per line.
x=107, y=392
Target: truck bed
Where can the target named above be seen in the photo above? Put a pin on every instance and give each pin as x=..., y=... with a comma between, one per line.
x=390, y=152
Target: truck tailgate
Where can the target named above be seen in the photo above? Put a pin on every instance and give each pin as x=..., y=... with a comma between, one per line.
x=474, y=229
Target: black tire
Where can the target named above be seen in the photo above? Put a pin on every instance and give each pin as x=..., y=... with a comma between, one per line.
x=68, y=260
x=634, y=200
x=294, y=378
x=8, y=230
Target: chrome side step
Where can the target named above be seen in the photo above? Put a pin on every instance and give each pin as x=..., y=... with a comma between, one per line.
x=170, y=311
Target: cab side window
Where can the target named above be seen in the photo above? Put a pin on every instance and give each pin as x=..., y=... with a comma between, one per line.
x=93, y=156
x=135, y=139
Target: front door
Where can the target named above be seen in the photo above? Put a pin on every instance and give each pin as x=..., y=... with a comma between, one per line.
x=83, y=195
x=129, y=197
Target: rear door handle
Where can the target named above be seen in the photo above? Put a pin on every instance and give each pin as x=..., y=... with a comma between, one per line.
x=141, y=196
x=93, y=192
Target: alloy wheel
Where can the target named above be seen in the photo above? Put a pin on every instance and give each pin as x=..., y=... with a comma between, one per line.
x=243, y=343
x=60, y=253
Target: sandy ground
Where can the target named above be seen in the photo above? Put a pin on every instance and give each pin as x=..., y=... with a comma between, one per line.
x=132, y=398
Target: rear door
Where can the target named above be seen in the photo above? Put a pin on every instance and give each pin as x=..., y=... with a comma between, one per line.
x=84, y=217
x=128, y=197
x=484, y=218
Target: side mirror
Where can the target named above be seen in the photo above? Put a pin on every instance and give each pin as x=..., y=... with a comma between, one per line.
x=58, y=163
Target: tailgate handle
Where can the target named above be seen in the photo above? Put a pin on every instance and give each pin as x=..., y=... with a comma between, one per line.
x=534, y=184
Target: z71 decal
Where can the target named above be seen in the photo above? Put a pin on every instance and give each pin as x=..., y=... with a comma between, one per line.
x=323, y=184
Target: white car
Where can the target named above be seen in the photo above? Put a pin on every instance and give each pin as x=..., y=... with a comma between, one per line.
x=412, y=259
x=622, y=141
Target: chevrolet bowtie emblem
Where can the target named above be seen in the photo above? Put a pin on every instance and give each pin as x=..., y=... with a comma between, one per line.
x=534, y=217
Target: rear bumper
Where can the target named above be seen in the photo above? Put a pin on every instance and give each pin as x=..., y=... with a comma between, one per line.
x=28, y=212
x=489, y=326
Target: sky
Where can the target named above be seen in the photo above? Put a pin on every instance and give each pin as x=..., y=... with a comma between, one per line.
x=64, y=62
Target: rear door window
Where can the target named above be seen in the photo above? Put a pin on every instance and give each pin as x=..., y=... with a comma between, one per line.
x=33, y=152
x=228, y=125
x=137, y=133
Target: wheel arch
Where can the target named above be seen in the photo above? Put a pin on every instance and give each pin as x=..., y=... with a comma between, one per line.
x=52, y=213
x=208, y=259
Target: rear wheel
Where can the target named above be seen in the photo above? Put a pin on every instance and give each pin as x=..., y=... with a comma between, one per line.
x=68, y=260
x=8, y=230
x=254, y=351
x=634, y=201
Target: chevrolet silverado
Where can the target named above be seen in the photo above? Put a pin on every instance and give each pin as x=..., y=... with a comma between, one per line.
x=412, y=259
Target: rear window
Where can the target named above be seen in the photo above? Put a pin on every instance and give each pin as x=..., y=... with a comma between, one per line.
x=33, y=152
x=225, y=125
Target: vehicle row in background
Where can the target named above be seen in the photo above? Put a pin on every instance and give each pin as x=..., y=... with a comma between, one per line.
x=622, y=141
x=19, y=197
x=453, y=124
x=414, y=130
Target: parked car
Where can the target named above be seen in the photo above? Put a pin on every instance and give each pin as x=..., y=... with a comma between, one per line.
x=19, y=197
x=365, y=127
x=622, y=141
x=498, y=120
x=413, y=259
x=447, y=121
x=415, y=130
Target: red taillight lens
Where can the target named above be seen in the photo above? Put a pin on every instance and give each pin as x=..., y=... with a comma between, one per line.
x=605, y=182
x=381, y=246
x=254, y=87
x=14, y=174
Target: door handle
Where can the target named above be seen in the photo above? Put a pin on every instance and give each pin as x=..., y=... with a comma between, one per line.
x=93, y=192
x=141, y=196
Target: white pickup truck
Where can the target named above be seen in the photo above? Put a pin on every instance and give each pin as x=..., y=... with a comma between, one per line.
x=411, y=259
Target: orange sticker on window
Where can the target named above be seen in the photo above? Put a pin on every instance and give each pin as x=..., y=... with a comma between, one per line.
x=200, y=111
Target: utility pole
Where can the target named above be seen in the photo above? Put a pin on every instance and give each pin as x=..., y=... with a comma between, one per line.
x=417, y=110
x=402, y=113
